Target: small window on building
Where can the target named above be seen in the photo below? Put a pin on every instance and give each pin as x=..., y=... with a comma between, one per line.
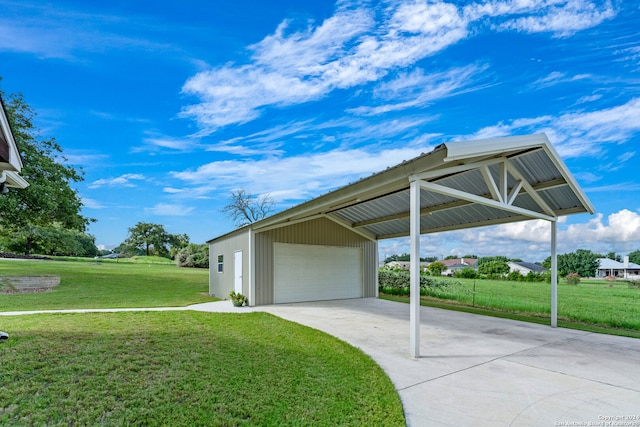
x=220, y=263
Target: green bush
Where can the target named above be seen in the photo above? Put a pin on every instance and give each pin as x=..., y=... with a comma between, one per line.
x=466, y=273
x=397, y=282
x=195, y=256
x=515, y=276
x=572, y=278
x=634, y=284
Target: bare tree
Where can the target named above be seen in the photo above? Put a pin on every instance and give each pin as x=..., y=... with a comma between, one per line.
x=246, y=208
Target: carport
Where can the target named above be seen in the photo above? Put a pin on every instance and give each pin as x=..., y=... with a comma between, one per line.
x=456, y=186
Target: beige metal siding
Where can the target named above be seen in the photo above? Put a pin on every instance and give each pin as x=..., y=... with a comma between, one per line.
x=317, y=232
x=221, y=284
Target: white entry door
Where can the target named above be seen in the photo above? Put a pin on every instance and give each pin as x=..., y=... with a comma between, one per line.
x=237, y=272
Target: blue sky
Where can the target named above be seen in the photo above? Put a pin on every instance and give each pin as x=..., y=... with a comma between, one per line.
x=170, y=107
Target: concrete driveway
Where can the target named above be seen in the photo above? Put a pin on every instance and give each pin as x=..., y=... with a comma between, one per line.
x=483, y=371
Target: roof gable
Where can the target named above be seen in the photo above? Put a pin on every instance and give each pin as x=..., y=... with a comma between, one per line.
x=459, y=261
x=529, y=266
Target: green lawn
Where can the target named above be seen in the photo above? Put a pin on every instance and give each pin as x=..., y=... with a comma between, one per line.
x=613, y=306
x=186, y=368
x=107, y=285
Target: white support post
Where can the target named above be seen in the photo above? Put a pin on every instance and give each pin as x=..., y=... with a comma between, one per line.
x=414, y=270
x=252, y=275
x=554, y=275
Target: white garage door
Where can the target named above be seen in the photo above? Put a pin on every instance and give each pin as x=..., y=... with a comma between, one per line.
x=314, y=273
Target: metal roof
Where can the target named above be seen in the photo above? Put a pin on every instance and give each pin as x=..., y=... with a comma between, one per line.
x=529, y=265
x=609, y=264
x=462, y=184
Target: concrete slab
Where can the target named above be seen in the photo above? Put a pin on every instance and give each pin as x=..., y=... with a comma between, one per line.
x=482, y=371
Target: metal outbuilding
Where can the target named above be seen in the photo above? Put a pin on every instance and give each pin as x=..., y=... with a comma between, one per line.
x=326, y=248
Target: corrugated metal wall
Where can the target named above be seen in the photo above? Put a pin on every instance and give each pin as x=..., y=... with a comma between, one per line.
x=221, y=284
x=317, y=232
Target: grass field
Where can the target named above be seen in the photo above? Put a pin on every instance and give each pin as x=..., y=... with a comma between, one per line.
x=107, y=285
x=172, y=368
x=613, y=306
x=186, y=368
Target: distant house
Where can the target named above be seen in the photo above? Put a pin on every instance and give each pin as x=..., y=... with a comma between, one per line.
x=456, y=264
x=404, y=265
x=525, y=268
x=624, y=270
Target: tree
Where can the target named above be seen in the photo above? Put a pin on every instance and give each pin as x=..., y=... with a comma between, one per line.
x=614, y=256
x=494, y=268
x=48, y=202
x=246, y=208
x=52, y=241
x=152, y=238
x=177, y=243
x=634, y=256
x=436, y=268
x=491, y=259
x=195, y=256
x=407, y=257
x=583, y=261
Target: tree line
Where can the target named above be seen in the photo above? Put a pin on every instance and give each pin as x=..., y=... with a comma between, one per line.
x=583, y=262
x=44, y=217
x=153, y=240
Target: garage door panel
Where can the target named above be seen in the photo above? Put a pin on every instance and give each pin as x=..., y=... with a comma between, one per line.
x=314, y=273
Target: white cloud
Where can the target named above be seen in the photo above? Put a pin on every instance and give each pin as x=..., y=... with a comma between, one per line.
x=587, y=177
x=624, y=157
x=623, y=226
x=120, y=181
x=172, y=190
x=51, y=31
x=91, y=203
x=302, y=62
x=293, y=178
x=578, y=133
x=84, y=159
x=560, y=17
x=295, y=66
x=588, y=98
x=531, y=240
x=164, y=209
x=555, y=78
x=630, y=55
x=417, y=89
x=620, y=187
x=178, y=144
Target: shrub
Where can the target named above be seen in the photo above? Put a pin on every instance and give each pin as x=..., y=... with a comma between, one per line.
x=436, y=268
x=515, y=276
x=466, y=273
x=398, y=283
x=572, y=278
x=195, y=256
